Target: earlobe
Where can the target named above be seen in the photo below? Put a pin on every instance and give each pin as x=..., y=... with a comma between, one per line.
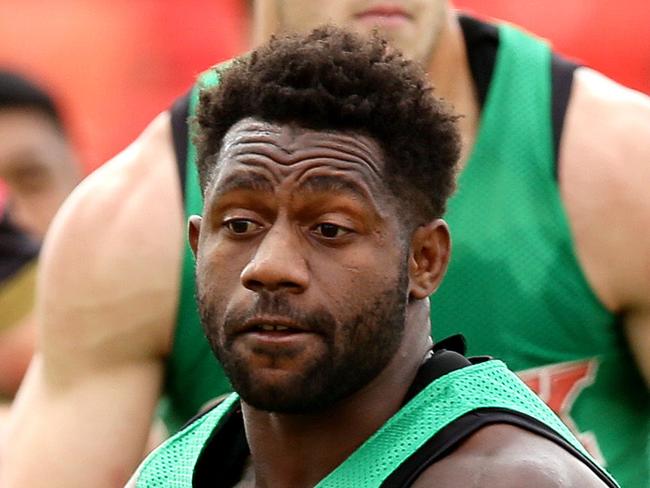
x=193, y=231
x=429, y=256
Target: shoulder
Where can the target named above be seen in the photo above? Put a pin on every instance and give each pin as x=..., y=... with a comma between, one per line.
x=115, y=246
x=504, y=456
x=605, y=119
x=604, y=169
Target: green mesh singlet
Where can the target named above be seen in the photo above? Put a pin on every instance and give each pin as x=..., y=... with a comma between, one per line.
x=514, y=287
x=485, y=385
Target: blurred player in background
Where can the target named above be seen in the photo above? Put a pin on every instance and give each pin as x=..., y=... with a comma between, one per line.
x=549, y=269
x=37, y=171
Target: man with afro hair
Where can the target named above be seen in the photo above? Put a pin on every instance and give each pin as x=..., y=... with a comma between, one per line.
x=325, y=165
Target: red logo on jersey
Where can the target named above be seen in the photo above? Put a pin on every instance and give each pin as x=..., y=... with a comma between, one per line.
x=558, y=385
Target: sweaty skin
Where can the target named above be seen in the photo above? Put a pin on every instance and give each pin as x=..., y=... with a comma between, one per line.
x=605, y=130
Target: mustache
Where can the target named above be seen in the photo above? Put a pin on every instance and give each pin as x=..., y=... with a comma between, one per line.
x=319, y=321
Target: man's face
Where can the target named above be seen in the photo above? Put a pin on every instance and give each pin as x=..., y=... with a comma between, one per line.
x=411, y=25
x=301, y=272
x=36, y=166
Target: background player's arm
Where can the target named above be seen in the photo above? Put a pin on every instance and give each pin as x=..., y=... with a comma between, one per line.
x=604, y=179
x=107, y=297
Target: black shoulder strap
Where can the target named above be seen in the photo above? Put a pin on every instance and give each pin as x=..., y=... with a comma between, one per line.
x=179, y=115
x=454, y=434
x=447, y=356
x=482, y=41
x=222, y=463
x=562, y=72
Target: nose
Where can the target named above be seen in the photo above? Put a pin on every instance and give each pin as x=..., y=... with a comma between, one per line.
x=277, y=265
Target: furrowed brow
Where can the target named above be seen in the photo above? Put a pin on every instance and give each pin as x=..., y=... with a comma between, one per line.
x=243, y=181
x=334, y=184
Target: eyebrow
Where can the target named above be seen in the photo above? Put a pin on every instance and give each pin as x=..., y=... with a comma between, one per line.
x=334, y=184
x=243, y=181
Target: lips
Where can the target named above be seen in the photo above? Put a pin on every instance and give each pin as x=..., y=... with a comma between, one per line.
x=274, y=335
x=384, y=12
x=273, y=325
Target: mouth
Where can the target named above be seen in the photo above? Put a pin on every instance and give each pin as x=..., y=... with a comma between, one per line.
x=277, y=326
x=384, y=15
x=271, y=335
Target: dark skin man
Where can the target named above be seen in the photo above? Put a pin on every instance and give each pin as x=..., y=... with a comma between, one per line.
x=320, y=242
x=302, y=218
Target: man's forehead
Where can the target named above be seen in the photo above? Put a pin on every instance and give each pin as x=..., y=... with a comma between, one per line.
x=290, y=143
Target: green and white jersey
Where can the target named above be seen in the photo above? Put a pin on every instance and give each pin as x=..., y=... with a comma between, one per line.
x=449, y=407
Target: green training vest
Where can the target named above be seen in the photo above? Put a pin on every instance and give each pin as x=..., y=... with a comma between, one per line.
x=514, y=287
x=485, y=385
x=514, y=284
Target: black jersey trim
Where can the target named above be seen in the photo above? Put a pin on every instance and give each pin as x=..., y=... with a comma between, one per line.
x=226, y=459
x=448, y=439
x=222, y=463
x=482, y=42
x=562, y=72
x=482, y=45
x=180, y=133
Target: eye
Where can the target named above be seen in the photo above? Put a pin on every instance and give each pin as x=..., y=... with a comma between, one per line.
x=241, y=226
x=331, y=231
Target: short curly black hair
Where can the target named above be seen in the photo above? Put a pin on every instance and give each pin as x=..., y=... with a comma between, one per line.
x=332, y=79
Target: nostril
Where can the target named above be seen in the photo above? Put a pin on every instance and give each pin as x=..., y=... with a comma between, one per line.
x=254, y=285
x=257, y=285
x=289, y=284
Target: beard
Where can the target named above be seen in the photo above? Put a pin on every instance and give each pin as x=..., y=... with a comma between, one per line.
x=356, y=349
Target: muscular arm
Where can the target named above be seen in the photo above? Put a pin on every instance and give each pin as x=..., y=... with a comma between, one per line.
x=106, y=302
x=504, y=456
x=605, y=182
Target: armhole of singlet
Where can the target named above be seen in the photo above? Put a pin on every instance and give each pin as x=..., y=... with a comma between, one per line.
x=453, y=435
x=562, y=71
x=179, y=115
x=222, y=463
x=482, y=42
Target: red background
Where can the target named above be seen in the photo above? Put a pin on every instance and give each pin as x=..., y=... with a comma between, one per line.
x=114, y=64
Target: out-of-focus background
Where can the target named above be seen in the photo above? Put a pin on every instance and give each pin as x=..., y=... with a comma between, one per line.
x=114, y=64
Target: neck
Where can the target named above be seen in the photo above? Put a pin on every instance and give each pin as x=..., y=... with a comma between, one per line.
x=300, y=450
x=450, y=74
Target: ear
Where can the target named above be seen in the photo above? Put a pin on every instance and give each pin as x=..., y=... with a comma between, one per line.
x=428, y=259
x=193, y=231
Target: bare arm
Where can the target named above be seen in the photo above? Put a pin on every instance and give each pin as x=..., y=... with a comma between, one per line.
x=504, y=456
x=106, y=301
x=605, y=182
